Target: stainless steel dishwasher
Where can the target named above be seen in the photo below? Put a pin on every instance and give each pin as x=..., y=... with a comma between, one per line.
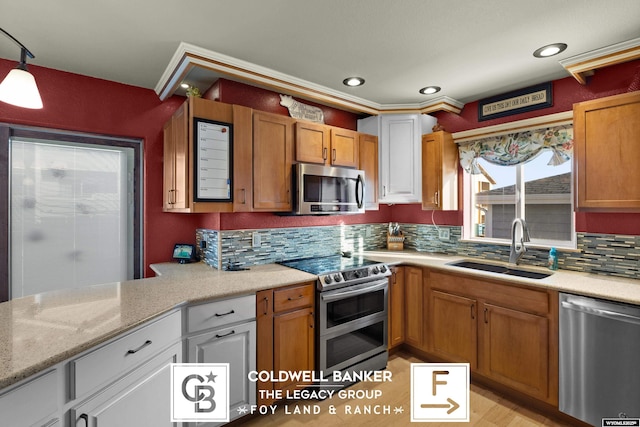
x=599, y=359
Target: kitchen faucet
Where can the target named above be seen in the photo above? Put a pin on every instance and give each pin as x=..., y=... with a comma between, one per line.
x=516, y=252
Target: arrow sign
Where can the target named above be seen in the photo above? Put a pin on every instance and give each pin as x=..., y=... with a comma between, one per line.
x=452, y=405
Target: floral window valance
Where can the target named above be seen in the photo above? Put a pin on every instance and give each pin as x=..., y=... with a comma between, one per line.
x=517, y=148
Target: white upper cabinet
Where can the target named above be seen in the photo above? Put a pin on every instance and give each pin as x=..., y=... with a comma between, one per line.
x=400, y=137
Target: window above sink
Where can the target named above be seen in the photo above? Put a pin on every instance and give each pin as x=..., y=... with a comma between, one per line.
x=525, y=175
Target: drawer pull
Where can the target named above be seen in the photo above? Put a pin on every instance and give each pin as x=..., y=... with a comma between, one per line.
x=225, y=335
x=225, y=314
x=296, y=298
x=146, y=343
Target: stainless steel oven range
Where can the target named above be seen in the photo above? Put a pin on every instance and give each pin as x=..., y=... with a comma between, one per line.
x=351, y=310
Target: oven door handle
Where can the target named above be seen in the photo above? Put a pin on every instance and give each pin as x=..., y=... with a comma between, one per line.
x=336, y=295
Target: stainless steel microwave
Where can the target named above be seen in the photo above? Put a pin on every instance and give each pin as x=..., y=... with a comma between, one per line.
x=324, y=190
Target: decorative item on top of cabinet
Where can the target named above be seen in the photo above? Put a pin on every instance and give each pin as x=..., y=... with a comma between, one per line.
x=606, y=134
x=439, y=172
x=281, y=314
x=326, y=145
x=400, y=179
x=179, y=152
x=368, y=162
x=396, y=307
x=272, y=162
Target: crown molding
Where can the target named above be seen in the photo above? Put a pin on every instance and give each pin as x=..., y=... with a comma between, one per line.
x=584, y=65
x=188, y=56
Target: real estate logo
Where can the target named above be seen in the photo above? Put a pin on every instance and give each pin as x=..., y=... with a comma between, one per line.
x=440, y=392
x=199, y=392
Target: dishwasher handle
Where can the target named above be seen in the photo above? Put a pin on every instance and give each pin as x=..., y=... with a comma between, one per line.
x=596, y=311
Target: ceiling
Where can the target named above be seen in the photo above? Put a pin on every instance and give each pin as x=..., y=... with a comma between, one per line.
x=471, y=49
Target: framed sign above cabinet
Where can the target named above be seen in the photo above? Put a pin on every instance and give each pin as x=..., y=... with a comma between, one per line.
x=516, y=102
x=213, y=171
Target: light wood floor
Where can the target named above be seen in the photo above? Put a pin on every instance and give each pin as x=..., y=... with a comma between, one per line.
x=486, y=408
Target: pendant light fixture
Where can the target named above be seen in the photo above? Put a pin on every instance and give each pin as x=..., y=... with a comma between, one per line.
x=19, y=86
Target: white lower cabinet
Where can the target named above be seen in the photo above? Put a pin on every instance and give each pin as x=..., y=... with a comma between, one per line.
x=127, y=380
x=234, y=344
x=33, y=403
x=140, y=398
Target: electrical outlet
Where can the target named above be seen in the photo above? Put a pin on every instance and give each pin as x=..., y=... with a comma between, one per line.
x=367, y=232
x=256, y=240
x=443, y=233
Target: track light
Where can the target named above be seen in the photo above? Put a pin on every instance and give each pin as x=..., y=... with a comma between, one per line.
x=19, y=86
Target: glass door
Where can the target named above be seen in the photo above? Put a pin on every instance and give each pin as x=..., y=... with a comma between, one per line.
x=71, y=215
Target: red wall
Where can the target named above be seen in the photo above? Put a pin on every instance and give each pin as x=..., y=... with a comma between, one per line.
x=566, y=92
x=605, y=82
x=85, y=104
x=79, y=103
x=233, y=92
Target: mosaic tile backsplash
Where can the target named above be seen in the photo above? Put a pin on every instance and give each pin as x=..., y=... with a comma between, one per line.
x=597, y=253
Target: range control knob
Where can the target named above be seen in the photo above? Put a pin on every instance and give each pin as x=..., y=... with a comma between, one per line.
x=375, y=270
x=337, y=277
x=358, y=273
x=328, y=280
x=383, y=268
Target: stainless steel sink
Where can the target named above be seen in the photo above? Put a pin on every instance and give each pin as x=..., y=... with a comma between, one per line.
x=501, y=269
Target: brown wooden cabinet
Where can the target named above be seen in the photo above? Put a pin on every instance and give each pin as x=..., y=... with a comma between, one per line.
x=272, y=162
x=178, y=168
x=312, y=142
x=326, y=145
x=242, y=159
x=344, y=147
x=606, y=152
x=515, y=349
x=368, y=162
x=176, y=161
x=414, y=307
x=453, y=329
x=507, y=333
x=439, y=172
x=396, y=304
x=285, y=334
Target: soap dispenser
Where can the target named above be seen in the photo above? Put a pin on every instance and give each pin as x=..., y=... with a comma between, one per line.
x=553, y=259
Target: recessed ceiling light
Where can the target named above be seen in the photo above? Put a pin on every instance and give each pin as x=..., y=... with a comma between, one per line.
x=353, y=81
x=184, y=86
x=429, y=90
x=550, y=50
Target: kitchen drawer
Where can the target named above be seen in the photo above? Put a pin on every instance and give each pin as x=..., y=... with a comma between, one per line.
x=293, y=297
x=511, y=296
x=113, y=360
x=30, y=402
x=220, y=313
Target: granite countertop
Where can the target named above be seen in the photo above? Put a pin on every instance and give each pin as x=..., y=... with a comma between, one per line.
x=595, y=285
x=42, y=330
